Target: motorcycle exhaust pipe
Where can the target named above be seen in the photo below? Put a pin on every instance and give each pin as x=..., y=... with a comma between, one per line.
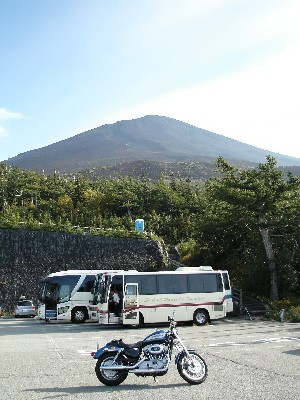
x=134, y=369
x=122, y=367
x=149, y=371
x=117, y=368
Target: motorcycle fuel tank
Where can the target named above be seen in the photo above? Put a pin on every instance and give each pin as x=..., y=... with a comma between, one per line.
x=158, y=336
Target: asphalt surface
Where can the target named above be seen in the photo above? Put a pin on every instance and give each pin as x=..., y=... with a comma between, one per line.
x=246, y=360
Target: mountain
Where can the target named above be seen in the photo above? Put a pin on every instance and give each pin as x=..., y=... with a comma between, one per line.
x=153, y=170
x=150, y=138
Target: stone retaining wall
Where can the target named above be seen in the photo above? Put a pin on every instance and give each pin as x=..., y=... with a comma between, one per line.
x=28, y=256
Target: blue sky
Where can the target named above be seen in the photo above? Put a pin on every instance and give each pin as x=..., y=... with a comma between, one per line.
x=228, y=66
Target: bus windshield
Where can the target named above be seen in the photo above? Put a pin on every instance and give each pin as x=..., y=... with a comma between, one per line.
x=57, y=289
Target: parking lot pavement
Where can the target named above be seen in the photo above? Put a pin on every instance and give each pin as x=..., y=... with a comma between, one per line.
x=246, y=359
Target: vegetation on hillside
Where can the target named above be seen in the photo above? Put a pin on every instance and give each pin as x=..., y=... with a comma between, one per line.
x=246, y=221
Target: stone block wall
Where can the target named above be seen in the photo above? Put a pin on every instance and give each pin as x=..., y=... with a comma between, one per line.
x=28, y=256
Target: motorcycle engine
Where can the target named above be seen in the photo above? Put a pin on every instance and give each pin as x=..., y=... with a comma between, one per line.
x=157, y=357
x=155, y=350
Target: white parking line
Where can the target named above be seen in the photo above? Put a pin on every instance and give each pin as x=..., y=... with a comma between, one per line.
x=85, y=352
x=258, y=341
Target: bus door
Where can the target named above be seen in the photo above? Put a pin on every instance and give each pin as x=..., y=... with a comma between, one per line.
x=131, y=304
x=42, y=311
x=228, y=292
x=64, y=308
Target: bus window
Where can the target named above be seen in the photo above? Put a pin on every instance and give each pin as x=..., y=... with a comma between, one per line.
x=131, y=290
x=226, y=281
x=148, y=284
x=132, y=279
x=220, y=287
x=196, y=283
x=213, y=283
x=87, y=284
x=165, y=284
x=180, y=283
x=64, y=293
x=205, y=283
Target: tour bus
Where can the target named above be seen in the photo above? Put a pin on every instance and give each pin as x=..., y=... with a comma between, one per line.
x=196, y=294
x=65, y=295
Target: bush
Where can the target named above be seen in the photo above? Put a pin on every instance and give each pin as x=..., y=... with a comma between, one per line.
x=293, y=314
x=291, y=309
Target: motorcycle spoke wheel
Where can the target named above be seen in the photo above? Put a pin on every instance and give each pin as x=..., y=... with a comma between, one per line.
x=110, y=377
x=192, y=369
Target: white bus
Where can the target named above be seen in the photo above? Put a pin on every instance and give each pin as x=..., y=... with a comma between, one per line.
x=66, y=295
x=196, y=294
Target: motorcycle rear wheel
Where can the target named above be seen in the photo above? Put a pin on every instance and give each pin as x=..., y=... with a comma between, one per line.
x=110, y=377
x=192, y=369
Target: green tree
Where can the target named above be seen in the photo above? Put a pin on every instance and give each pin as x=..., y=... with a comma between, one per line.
x=251, y=201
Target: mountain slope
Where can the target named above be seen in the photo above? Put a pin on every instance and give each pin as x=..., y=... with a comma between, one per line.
x=150, y=138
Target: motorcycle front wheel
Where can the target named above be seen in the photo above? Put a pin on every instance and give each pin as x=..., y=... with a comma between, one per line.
x=192, y=369
x=110, y=377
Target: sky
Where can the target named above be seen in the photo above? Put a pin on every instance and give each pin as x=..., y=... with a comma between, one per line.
x=227, y=66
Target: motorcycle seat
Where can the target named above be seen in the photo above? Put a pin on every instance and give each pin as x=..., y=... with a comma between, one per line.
x=131, y=350
x=124, y=345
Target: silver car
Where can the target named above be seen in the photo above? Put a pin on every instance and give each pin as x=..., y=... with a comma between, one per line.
x=24, y=308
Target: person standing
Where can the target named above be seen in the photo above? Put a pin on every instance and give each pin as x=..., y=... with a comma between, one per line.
x=116, y=302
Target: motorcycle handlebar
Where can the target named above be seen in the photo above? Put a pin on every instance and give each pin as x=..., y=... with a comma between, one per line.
x=171, y=319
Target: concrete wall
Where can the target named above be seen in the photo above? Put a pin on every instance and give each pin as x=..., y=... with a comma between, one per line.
x=28, y=256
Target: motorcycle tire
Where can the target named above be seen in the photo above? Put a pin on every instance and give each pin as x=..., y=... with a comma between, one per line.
x=110, y=377
x=192, y=369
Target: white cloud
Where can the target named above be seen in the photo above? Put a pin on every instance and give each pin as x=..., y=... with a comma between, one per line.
x=7, y=114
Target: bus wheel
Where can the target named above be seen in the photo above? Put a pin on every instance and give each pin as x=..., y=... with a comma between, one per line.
x=79, y=315
x=200, y=317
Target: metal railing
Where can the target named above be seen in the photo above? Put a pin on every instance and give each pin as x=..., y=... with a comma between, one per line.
x=247, y=306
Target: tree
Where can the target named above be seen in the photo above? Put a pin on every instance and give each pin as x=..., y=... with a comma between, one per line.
x=253, y=197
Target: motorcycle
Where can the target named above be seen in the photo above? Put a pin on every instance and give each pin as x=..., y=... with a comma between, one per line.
x=149, y=357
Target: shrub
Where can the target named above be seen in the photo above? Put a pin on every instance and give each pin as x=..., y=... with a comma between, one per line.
x=291, y=309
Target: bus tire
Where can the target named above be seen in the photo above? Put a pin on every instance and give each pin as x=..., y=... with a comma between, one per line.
x=79, y=315
x=200, y=317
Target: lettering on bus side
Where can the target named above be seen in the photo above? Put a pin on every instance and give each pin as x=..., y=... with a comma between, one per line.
x=159, y=300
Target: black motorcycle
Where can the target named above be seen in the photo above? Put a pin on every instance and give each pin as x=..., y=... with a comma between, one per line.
x=149, y=357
